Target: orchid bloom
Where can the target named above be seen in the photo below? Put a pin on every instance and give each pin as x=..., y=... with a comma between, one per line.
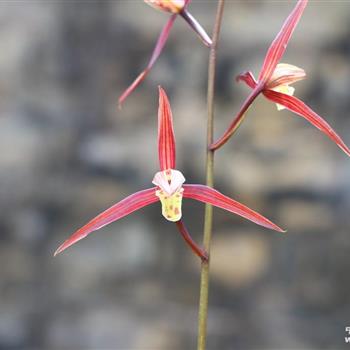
x=169, y=190
x=274, y=83
x=175, y=7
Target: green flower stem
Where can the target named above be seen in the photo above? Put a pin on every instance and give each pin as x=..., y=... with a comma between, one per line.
x=208, y=218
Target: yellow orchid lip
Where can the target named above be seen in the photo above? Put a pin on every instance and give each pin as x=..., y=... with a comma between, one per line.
x=284, y=89
x=171, y=205
x=170, y=193
x=173, y=6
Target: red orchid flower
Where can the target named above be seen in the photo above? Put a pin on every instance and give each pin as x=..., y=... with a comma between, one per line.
x=169, y=191
x=273, y=82
x=176, y=7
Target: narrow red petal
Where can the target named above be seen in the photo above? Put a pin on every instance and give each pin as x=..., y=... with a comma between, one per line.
x=166, y=137
x=193, y=245
x=299, y=107
x=126, y=206
x=209, y=195
x=237, y=120
x=279, y=45
x=248, y=78
x=132, y=87
x=163, y=37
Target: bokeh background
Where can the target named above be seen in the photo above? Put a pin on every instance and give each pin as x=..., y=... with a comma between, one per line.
x=67, y=153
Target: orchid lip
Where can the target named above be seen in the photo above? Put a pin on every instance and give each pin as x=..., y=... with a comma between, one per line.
x=170, y=193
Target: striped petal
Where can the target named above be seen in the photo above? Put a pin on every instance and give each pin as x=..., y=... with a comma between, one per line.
x=209, y=195
x=248, y=78
x=166, y=137
x=279, y=45
x=299, y=107
x=125, y=207
x=163, y=37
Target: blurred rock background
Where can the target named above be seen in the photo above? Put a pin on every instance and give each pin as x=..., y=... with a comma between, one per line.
x=67, y=153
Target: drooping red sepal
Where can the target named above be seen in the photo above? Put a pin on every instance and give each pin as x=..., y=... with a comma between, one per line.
x=200, y=252
x=163, y=37
x=279, y=44
x=208, y=195
x=126, y=206
x=238, y=118
x=166, y=137
x=295, y=105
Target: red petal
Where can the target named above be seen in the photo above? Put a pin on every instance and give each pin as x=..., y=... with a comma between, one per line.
x=300, y=108
x=126, y=206
x=248, y=78
x=166, y=137
x=186, y=236
x=238, y=119
x=209, y=195
x=279, y=45
x=163, y=37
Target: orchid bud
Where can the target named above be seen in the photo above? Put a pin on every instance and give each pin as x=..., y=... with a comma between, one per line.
x=170, y=193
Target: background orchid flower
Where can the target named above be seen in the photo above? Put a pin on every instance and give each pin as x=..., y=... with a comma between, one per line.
x=274, y=83
x=175, y=7
x=169, y=190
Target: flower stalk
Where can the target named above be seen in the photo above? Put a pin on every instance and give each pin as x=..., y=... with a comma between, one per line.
x=208, y=216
